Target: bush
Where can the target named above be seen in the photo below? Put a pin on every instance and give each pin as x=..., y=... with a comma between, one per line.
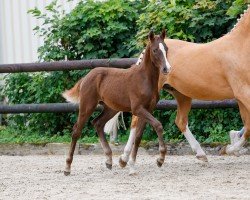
x=190, y=20
x=91, y=30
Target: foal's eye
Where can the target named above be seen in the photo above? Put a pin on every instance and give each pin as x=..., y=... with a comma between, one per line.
x=155, y=50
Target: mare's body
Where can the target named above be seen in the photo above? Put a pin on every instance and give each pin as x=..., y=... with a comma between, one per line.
x=213, y=71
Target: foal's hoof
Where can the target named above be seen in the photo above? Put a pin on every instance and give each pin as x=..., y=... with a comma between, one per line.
x=66, y=173
x=122, y=163
x=159, y=162
x=202, y=158
x=109, y=166
x=132, y=172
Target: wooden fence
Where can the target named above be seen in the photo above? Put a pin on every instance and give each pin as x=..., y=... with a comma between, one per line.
x=80, y=65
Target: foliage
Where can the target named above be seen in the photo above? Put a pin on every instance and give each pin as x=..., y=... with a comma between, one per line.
x=191, y=20
x=114, y=29
x=92, y=30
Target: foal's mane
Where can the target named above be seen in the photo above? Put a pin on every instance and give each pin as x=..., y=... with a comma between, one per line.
x=242, y=19
x=140, y=57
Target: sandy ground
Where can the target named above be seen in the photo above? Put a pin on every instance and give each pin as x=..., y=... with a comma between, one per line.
x=181, y=177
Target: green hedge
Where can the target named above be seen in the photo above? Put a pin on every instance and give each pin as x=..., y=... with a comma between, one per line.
x=118, y=29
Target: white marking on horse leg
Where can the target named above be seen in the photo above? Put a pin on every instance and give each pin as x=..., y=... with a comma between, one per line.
x=161, y=47
x=109, y=159
x=231, y=149
x=129, y=145
x=132, y=169
x=193, y=143
x=234, y=136
x=67, y=169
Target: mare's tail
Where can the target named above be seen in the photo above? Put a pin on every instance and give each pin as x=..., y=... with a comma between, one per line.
x=112, y=125
x=72, y=95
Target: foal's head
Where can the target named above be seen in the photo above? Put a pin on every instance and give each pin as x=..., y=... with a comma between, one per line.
x=158, y=51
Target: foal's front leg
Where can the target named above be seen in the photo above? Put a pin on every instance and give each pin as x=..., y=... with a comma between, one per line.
x=127, y=150
x=139, y=131
x=148, y=117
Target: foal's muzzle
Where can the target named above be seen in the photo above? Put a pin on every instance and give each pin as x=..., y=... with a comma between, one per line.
x=164, y=70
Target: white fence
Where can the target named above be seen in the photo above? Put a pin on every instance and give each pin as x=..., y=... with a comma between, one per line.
x=18, y=43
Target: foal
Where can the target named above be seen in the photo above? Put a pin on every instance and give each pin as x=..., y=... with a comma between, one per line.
x=134, y=89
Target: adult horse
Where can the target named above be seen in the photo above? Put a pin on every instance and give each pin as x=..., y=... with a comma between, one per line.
x=213, y=71
x=134, y=89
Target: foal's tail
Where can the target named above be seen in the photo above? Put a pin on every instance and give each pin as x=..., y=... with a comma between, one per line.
x=72, y=95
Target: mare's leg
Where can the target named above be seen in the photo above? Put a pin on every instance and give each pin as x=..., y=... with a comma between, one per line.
x=183, y=108
x=86, y=108
x=127, y=150
x=148, y=117
x=139, y=131
x=235, y=135
x=99, y=124
x=244, y=107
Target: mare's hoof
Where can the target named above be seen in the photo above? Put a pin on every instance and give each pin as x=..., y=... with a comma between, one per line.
x=109, y=166
x=66, y=173
x=159, y=162
x=202, y=158
x=122, y=163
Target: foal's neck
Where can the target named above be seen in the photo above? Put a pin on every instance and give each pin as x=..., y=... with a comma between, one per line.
x=149, y=68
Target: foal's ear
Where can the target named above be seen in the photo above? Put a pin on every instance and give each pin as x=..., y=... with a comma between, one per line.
x=151, y=35
x=163, y=34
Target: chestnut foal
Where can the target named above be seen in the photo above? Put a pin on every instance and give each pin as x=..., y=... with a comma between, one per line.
x=131, y=90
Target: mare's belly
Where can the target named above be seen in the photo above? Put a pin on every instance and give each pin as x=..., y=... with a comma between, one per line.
x=209, y=92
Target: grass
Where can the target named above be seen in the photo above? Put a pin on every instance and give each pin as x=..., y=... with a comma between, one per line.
x=9, y=135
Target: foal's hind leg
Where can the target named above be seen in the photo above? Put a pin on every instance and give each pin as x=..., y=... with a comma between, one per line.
x=183, y=108
x=99, y=124
x=85, y=110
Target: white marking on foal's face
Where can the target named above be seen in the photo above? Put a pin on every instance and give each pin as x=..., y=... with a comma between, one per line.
x=161, y=47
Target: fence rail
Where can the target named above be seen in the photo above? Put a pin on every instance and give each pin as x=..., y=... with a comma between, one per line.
x=80, y=65
x=67, y=65
x=70, y=107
